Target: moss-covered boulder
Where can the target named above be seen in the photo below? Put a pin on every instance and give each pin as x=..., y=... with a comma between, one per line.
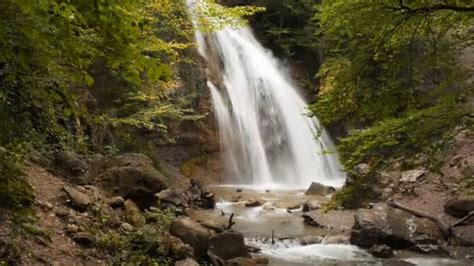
x=131, y=176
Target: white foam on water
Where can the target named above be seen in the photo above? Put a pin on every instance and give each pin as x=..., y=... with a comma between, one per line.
x=293, y=251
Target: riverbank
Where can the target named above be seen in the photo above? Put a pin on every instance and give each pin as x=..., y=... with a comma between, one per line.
x=116, y=222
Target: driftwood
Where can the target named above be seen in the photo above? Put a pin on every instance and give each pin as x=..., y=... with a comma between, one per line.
x=446, y=229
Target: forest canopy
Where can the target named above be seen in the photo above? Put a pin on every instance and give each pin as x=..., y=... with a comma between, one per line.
x=86, y=75
x=393, y=76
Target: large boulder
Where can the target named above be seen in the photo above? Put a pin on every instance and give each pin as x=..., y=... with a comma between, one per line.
x=464, y=235
x=459, y=207
x=395, y=228
x=131, y=176
x=193, y=234
x=228, y=245
x=319, y=189
x=73, y=166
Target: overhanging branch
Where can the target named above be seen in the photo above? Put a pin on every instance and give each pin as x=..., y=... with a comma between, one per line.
x=404, y=8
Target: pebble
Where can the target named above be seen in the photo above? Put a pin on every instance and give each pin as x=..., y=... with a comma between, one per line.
x=126, y=227
x=61, y=212
x=72, y=228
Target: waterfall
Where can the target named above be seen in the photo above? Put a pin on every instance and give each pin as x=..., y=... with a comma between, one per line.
x=266, y=136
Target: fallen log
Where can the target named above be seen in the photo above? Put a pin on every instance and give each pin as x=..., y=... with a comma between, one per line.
x=446, y=229
x=443, y=227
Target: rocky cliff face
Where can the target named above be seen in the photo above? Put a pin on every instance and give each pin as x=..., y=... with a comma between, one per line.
x=196, y=152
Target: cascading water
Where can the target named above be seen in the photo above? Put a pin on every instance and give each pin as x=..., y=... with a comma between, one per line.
x=266, y=137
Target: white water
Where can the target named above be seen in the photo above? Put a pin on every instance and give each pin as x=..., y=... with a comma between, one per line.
x=291, y=252
x=267, y=139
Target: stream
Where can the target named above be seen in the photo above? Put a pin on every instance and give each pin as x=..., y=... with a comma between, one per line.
x=295, y=242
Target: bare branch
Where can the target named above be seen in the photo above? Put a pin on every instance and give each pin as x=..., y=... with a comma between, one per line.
x=464, y=220
x=402, y=7
x=231, y=222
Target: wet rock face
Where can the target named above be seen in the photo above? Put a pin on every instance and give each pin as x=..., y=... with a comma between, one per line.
x=319, y=189
x=459, y=207
x=192, y=234
x=131, y=176
x=228, y=245
x=381, y=251
x=395, y=228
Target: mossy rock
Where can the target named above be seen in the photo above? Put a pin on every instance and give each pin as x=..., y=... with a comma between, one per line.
x=133, y=215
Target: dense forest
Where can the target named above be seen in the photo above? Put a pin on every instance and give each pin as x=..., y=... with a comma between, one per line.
x=391, y=80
